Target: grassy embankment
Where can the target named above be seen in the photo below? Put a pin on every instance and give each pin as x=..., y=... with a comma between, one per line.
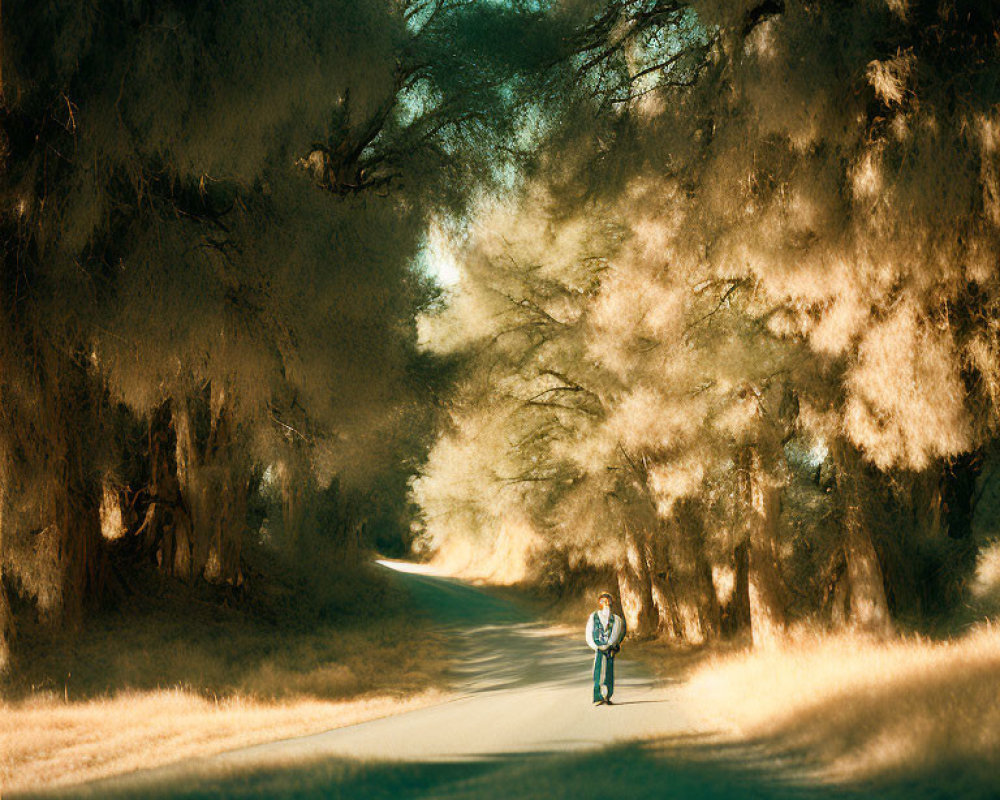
x=851, y=709
x=183, y=671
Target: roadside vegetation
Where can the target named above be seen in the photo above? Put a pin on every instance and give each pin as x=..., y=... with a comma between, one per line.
x=853, y=710
x=189, y=671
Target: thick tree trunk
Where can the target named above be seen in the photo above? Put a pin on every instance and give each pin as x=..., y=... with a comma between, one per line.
x=191, y=476
x=765, y=591
x=76, y=495
x=6, y=628
x=81, y=552
x=665, y=602
x=292, y=507
x=166, y=531
x=697, y=605
x=866, y=588
x=230, y=530
x=764, y=588
x=296, y=484
x=958, y=493
x=662, y=588
x=215, y=487
x=865, y=584
x=838, y=593
x=736, y=609
x=635, y=588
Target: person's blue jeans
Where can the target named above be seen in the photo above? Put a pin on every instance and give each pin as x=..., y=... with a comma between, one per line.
x=604, y=674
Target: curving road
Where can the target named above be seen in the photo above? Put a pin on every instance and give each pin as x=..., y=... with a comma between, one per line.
x=522, y=727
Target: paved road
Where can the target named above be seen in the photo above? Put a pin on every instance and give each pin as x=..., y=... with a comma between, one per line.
x=522, y=726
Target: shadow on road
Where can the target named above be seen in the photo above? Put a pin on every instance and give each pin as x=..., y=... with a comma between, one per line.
x=638, y=702
x=679, y=769
x=511, y=650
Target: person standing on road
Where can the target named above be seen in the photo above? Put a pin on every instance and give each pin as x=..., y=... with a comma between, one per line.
x=605, y=632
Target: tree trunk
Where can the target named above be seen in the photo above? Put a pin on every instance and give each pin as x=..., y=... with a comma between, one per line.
x=230, y=530
x=765, y=591
x=736, y=610
x=838, y=593
x=296, y=482
x=697, y=605
x=958, y=493
x=866, y=588
x=81, y=552
x=166, y=531
x=662, y=588
x=6, y=628
x=635, y=588
x=865, y=584
x=76, y=495
x=215, y=487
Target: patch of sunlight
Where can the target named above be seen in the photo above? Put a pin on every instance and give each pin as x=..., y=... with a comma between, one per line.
x=407, y=566
x=818, y=453
x=437, y=257
x=859, y=707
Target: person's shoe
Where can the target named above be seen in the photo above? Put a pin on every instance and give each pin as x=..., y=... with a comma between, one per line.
x=599, y=702
x=608, y=702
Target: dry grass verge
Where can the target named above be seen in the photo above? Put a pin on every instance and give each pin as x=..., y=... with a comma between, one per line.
x=48, y=742
x=860, y=710
x=180, y=673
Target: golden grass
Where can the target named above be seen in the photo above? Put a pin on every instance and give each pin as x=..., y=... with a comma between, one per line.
x=49, y=742
x=858, y=709
x=183, y=673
